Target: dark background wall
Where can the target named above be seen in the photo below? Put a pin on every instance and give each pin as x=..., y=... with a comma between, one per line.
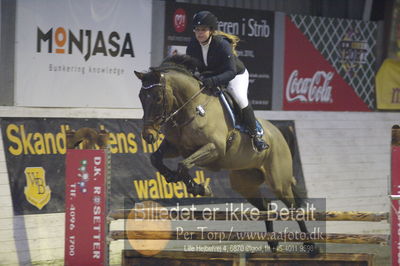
x=375, y=10
x=350, y=9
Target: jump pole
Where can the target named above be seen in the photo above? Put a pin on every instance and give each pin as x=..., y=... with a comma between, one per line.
x=395, y=195
x=154, y=214
x=251, y=236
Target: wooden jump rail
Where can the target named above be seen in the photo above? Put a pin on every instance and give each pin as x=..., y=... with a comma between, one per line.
x=164, y=214
x=78, y=243
x=251, y=236
x=247, y=216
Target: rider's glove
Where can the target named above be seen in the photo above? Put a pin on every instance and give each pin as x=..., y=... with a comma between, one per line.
x=208, y=83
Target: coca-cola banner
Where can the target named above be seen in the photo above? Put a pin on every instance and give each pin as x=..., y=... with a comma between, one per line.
x=329, y=64
x=253, y=27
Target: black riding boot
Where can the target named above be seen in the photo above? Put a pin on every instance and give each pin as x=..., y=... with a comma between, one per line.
x=250, y=121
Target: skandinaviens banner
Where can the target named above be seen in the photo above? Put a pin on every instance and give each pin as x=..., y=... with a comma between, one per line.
x=35, y=154
x=329, y=64
x=255, y=28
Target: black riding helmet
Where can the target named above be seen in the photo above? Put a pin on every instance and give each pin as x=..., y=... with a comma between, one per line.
x=205, y=18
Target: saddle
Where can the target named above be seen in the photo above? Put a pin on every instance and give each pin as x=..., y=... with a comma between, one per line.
x=227, y=101
x=235, y=112
x=231, y=104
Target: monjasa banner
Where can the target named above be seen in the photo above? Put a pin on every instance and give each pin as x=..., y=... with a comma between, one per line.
x=81, y=47
x=255, y=28
x=35, y=151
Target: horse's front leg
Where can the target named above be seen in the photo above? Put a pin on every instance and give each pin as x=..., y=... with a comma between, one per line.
x=156, y=158
x=202, y=156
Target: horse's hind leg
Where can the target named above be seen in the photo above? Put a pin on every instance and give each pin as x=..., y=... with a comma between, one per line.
x=283, y=184
x=247, y=183
x=309, y=247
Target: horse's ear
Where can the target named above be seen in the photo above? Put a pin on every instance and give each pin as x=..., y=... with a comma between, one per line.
x=139, y=75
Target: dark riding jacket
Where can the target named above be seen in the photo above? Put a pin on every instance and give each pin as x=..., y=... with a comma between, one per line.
x=220, y=59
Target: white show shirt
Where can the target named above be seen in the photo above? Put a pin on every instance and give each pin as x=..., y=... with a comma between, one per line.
x=204, y=50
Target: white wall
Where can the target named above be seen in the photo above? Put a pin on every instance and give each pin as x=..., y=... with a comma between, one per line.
x=345, y=156
x=346, y=159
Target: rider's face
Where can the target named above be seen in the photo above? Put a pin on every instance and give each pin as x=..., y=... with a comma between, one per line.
x=202, y=33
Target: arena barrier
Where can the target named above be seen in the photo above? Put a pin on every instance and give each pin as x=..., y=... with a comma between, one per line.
x=88, y=217
x=132, y=257
x=260, y=216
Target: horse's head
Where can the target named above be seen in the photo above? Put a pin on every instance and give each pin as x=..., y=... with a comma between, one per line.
x=155, y=103
x=158, y=96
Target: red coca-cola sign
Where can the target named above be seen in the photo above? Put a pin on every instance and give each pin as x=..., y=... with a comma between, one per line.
x=85, y=207
x=179, y=20
x=310, y=89
x=311, y=82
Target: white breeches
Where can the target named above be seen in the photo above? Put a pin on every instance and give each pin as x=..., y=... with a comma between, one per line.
x=238, y=87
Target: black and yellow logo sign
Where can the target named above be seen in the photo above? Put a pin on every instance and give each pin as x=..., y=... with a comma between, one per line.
x=36, y=191
x=354, y=50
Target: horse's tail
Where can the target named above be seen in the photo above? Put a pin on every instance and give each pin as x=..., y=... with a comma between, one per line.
x=290, y=137
x=299, y=189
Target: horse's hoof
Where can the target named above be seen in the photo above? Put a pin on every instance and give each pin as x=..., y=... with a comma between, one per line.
x=196, y=189
x=311, y=249
x=172, y=177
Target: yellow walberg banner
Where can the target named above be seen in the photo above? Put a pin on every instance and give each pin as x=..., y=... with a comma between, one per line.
x=388, y=85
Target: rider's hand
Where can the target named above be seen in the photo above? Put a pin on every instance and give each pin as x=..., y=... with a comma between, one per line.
x=208, y=83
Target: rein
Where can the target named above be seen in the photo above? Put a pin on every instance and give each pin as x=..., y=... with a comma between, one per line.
x=183, y=105
x=167, y=117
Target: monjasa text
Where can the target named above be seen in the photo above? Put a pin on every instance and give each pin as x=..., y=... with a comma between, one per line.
x=82, y=41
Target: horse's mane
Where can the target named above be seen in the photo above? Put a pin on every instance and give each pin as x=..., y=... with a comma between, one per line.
x=181, y=63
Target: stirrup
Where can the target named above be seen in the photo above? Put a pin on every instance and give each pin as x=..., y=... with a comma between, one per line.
x=258, y=143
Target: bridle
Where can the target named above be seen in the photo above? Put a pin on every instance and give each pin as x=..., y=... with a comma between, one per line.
x=165, y=118
x=162, y=85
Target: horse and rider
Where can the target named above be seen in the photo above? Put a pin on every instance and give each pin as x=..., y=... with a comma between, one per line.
x=197, y=126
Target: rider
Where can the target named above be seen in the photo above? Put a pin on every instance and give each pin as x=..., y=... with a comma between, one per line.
x=215, y=51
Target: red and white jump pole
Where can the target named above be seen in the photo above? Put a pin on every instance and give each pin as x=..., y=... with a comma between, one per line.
x=395, y=195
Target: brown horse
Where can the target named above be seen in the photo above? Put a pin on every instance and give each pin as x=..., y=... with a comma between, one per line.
x=197, y=127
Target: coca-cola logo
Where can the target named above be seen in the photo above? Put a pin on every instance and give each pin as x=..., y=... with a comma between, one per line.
x=179, y=20
x=314, y=89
